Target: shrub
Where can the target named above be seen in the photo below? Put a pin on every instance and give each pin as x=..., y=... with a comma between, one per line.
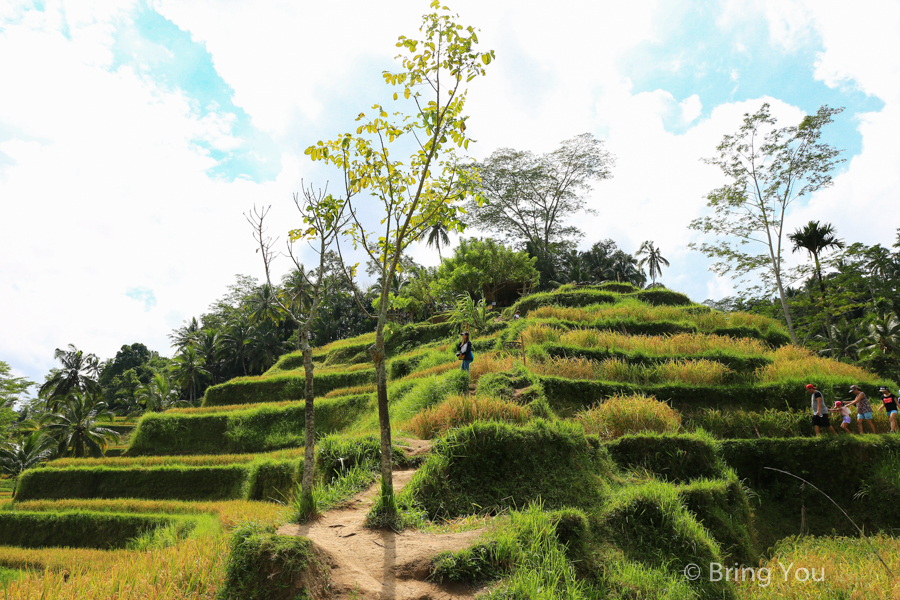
x=264, y=566
x=621, y=415
x=581, y=297
x=724, y=509
x=694, y=372
x=490, y=466
x=79, y=529
x=662, y=297
x=457, y=411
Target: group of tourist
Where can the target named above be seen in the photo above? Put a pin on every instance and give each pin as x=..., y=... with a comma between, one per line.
x=821, y=412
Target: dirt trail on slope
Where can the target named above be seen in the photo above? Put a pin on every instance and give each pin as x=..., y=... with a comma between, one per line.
x=377, y=563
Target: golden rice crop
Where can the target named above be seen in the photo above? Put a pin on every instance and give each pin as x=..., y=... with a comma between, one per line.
x=183, y=460
x=352, y=390
x=457, y=411
x=664, y=345
x=490, y=362
x=693, y=372
x=620, y=415
x=846, y=566
x=193, y=569
x=792, y=362
x=539, y=333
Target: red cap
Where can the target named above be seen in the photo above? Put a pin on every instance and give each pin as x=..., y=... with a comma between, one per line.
x=810, y=386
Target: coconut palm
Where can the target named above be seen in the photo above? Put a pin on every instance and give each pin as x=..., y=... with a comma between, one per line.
x=189, y=371
x=185, y=335
x=77, y=428
x=79, y=372
x=883, y=335
x=263, y=305
x=842, y=341
x=816, y=238
x=23, y=455
x=436, y=235
x=159, y=394
x=653, y=258
x=234, y=343
x=209, y=347
x=265, y=345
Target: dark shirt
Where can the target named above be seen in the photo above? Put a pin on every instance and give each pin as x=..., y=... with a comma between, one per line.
x=464, y=348
x=890, y=402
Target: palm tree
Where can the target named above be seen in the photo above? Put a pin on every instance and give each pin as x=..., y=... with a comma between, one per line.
x=624, y=268
x=265, y=346
x=653, y=258
x=185, y=335
x=77, y=429
x=159, y=395
x=842, y=341
x=28, y=453
x=209, y=347
x=816, y=238
x=189, y=370
x=263, y=305
x=436, y=236
x=79, y=372
x=883, y=335
x=234, y=343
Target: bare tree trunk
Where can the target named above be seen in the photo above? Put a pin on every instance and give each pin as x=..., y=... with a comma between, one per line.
x=784, y=307
x=384, y=418
x=309, y=453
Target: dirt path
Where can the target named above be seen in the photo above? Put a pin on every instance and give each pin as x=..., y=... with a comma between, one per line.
x=381, y=564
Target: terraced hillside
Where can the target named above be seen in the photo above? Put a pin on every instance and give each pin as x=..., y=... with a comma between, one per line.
x=601, y=445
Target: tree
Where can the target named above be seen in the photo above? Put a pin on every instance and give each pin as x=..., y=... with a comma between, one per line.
x=436, y=236
x=189, y=370
x=653, y=258
x=78, y=430
x=529, y=198
x=21, y=456
x=159, y=395
x=605, y=261
x=411, y=197
x=186, y=334
x=815, y=238
x=769, y=169
x=321, y=219
x=12, y=389
x=79, y=372
x=480, y=268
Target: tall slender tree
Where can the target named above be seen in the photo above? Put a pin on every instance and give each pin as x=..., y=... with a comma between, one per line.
x=436, y=236
x=651, y=256
x=769, y=168
x=189, y=370
x=79, y=372
x=410, y=195
x=816, y=238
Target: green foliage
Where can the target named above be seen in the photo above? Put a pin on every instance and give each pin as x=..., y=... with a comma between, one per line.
x=481, y=268
x=858, y=472
x=673, y=458
x=416, y=335
x=489, y=466
x=722, y=506
x=272, y=388
x=12, y=389
x=265, y=566
x=744, y=424
x=253, y=430
x=740, y=364
x=339, y=453
x=81, y=529
x=582, y=297
x=662, y=297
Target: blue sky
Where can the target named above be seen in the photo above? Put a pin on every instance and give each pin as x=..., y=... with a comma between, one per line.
x=134, y=135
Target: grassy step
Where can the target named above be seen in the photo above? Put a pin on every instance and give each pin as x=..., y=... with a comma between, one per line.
x=257, y=429
x=740, y=364
x=81, y=529
x=287, y=386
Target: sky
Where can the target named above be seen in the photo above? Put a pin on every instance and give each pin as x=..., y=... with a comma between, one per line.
x=134, y=135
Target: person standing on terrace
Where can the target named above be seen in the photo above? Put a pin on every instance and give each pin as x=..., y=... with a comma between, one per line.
x=863, y=408
x=464, y=351
x=820, y=411
x=889, y=404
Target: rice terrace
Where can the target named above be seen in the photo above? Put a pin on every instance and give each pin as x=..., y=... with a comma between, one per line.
x=518, y=416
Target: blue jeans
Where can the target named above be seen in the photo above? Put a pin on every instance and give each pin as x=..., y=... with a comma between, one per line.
x=465, y=365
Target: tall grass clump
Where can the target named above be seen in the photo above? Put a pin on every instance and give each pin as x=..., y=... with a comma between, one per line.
x=664, y=345
x=457, y=411
x=492, y=362
x=621, y=415
x=351, y=391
